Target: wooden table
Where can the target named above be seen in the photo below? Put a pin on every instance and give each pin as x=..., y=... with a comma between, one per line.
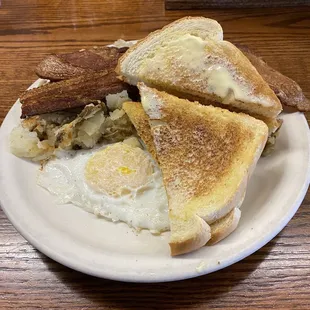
x=277, y=276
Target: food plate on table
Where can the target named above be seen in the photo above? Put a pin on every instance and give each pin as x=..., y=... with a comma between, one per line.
x=99, y=245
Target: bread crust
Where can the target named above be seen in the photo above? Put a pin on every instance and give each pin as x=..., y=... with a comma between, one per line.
x=194, y=241
x=140, y=121
x=224, y=226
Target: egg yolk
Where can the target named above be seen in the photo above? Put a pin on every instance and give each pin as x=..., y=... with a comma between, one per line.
x=125, y=170
x=118, y=169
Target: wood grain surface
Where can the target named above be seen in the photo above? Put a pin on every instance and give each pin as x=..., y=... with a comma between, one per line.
x=275, y=277
x=207, y=4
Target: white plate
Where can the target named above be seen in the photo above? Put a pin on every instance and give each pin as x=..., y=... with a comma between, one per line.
x=95, y=246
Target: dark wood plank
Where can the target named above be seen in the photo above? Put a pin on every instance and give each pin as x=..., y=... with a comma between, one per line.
x=207, y=4
x=277, y=276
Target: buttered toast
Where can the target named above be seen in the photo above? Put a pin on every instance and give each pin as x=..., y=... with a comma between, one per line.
x=187, y=58
x=219, y=229
x=206, y=155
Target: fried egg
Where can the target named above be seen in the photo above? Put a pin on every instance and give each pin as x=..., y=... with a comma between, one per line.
x=120, y=182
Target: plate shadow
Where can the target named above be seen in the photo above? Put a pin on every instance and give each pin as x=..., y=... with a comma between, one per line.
x=184, y=294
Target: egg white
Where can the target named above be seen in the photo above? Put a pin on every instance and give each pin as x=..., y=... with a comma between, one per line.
x=143, y=208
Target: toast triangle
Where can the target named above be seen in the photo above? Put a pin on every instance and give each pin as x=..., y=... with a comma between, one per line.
x=206, y=155
x=190, y=59
x=219, y=229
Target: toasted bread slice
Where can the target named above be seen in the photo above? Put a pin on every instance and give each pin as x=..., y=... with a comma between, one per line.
x=206, y=155
x=224, y=226
x=219, y=229
x=189, y=57
x=140, y=120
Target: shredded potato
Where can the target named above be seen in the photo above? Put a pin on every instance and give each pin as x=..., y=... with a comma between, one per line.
x=38, y=137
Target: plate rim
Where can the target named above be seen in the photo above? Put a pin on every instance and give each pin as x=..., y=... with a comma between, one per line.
x=48, y=251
